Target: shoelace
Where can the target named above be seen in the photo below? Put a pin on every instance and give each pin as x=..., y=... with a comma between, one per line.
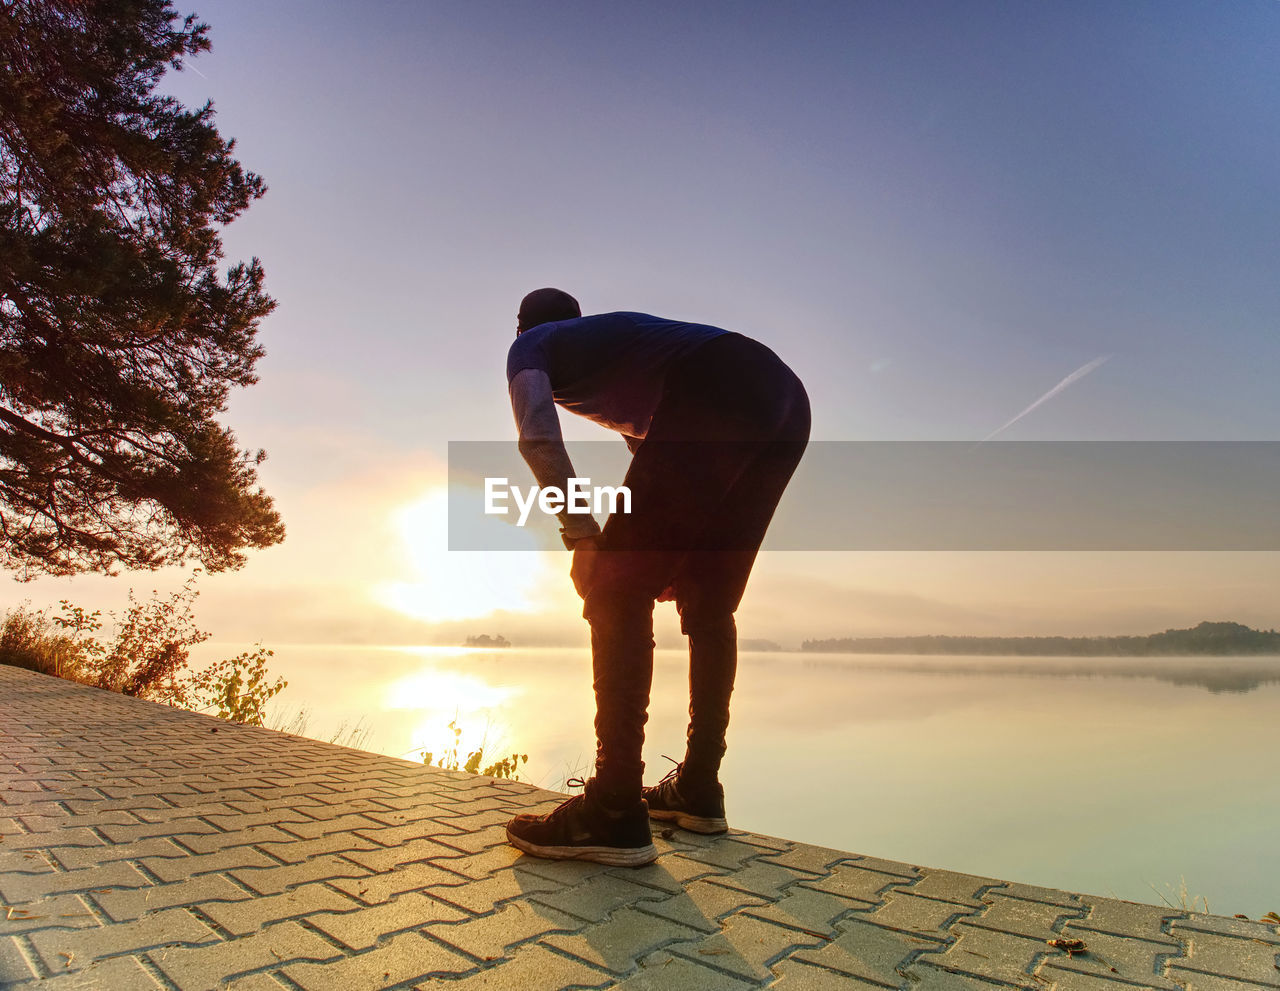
x=569, y=803
x=674, y=772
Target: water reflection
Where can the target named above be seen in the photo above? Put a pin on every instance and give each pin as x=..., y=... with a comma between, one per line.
x=1218, y=675
x=454, y=710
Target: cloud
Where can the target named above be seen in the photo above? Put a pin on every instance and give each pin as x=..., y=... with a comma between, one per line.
x=1074, y=377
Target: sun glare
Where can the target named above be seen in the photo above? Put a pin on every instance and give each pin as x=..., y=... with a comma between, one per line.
x=440, y=698
x=452, y=585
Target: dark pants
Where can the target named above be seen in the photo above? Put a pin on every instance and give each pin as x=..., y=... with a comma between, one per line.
x=727, y=435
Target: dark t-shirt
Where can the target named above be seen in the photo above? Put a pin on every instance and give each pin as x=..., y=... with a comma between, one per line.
x=610, y=367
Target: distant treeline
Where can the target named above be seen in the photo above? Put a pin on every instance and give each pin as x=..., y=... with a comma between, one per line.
x=1207, y=638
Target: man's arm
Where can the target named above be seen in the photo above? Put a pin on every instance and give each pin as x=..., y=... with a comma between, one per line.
x=542, y=445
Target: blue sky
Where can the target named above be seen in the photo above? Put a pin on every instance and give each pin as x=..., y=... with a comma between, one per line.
x=933, y=211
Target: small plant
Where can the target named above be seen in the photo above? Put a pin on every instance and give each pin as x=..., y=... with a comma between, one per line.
x=1182, y=898
x=507, y=767
x=354, y=735
x=449, y=759
x=237, y=688
x=29, y=639
x=148, y=656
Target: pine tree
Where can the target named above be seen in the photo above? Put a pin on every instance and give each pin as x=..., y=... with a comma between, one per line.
x=119, y=337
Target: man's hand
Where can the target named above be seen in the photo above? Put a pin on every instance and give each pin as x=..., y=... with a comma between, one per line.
x=584, y=564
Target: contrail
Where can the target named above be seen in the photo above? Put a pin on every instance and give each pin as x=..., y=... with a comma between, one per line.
x=1075, y=376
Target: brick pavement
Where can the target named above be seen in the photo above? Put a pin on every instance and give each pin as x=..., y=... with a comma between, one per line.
x=147, y=847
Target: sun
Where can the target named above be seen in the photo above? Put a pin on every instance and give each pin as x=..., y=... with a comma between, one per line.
x=452, y=585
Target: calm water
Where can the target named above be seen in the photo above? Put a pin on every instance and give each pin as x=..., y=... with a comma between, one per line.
x=1104, y=775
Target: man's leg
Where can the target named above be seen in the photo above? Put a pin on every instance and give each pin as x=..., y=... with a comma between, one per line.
x=641, y=552
x=709, y=586
x=676, y=490
x=710, y=590
x=622, y=675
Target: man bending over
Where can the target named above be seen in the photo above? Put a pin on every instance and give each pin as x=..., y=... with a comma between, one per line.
x=716, y=424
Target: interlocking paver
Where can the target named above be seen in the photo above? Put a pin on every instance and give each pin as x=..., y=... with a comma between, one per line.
x=410, y=957
x=670, y=873
x=766, y=880
x=478, y=865
x=118, y=972
x=14, y=966
x=132, y=832
x=727, y=853
x=596, y=898
x=247, y=915
x=926, y=977
x=57, y=912
x=854, y=881
x=144, y=846
x=315, y=828
x=746, y=947
x=947, y=886
x=1111, y=957
x=379, y=859
x=1038, y=920
x=663, y=971
x=213, y=842
x=868, y=952
x=904, y=911
x=1230, y=956
x=701, y=905
x=361, y=930
x=26, y=862
x=274, y=879
x=373, y=889
x=171, y=927
x=123, y=904
x=1035, y=893
x=296, y=851
x=68, y=836
x=1196, y=981
x=19, y=888
x=620, y=941
x=793, y=975
x=806, y=909
x=994, y=956
x=487, y=936
x=533, y=967
x=72, y=858
x=1121, y=918
x=177, y=868
x=1244, y=928
x=205, y=966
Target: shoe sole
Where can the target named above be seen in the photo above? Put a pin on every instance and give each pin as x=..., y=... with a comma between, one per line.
x=694, y=824
x=612, y=855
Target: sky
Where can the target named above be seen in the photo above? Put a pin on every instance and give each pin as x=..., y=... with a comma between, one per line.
x=936, y=213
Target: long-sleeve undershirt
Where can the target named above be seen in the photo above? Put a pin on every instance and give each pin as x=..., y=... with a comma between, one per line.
x=542, y=444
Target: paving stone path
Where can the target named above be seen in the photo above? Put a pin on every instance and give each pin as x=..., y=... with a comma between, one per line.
x=143, y=846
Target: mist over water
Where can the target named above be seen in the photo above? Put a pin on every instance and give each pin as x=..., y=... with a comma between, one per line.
x=1113, y=776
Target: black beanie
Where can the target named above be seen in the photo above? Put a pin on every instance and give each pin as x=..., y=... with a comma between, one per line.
x=544, y=306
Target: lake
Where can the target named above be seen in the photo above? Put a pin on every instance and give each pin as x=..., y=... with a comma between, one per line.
x=1127, y=777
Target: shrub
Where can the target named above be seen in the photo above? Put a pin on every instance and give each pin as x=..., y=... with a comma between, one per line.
x=148, y=656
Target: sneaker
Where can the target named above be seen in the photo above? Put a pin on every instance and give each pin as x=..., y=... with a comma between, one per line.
x=701, y=810
x=583, y=829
